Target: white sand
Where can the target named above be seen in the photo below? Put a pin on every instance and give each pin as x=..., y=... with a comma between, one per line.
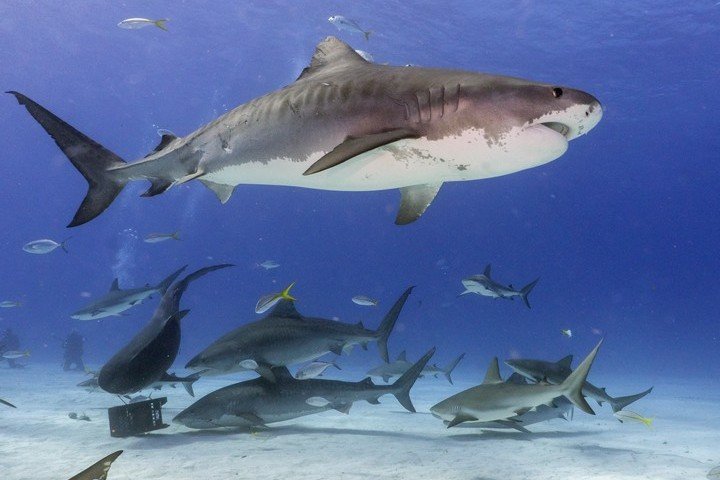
x=38, y=441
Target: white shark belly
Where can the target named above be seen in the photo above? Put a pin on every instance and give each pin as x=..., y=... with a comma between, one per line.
x=467, y=156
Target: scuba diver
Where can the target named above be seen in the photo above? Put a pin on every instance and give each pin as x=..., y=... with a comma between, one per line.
x=73, y=351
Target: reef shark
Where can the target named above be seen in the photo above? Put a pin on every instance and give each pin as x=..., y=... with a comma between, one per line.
x=484, y=285
x=116, y=301
x=394, y=369
x=498, y=401
x=285, y=337
x=148, y=355
x=557, y=372
x=259, y=401
x=98, y=470
x=347, y=124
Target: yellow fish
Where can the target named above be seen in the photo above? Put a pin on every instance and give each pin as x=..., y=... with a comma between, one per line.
x=624, y=415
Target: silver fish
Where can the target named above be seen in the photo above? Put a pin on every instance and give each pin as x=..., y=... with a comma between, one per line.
x=269, y=264
x=13, y=354
x=344, y=23
x=161, y=237
x=364, y=301
x=314, y=369
x=9, y=303
x=44, y=245
x=136, y=23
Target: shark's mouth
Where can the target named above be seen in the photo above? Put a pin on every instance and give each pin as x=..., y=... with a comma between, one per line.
x=561, y=128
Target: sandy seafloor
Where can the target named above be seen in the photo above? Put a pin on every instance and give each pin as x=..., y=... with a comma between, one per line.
x=38, y=441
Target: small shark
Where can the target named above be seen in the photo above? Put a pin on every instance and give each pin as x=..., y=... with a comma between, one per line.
x=170, y=379
x=285, y=337
x=5, y=402
x=116, y=301
x=496, y=400
x=99, y=470
x=259, y=401
x=486, y=286
x=557, y=372
x=401, y=365
x=147, y=357
x=347, y=124
x=561, y=407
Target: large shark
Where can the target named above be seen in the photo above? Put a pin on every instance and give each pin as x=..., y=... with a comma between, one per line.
x=259, y=401
x=496, y=400
x=146, y=358
x=98, y=470
x=557, y=372
x=285, y=337
x=394, y=369
x=484, y=285
x=351, y=125
x=116, y=301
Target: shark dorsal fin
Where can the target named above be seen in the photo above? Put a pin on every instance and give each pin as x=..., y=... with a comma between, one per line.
x=286, y=309
x=99, y=470
x=331, y=52
x=493, y=373
x=487, y=271
x=282, y=373
x=516, y=379
x=565, y=361
x=360, y=324
x=164, y=142
x=114, y=286
x=402, y=357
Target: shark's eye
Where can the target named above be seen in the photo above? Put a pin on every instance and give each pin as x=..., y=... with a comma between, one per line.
x=557, y=92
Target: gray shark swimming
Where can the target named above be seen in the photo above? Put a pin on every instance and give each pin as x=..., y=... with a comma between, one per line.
x=350, y=125
x=5, y=402
x=285, y=337
x=484, y=285
x=147, y=357
x=394, y=369
x=98, y=470
x=259, y=401
x=116, y=301
x=495, y=400
x=557, y=372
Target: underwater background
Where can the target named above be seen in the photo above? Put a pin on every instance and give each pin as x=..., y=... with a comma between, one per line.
x=623, y=230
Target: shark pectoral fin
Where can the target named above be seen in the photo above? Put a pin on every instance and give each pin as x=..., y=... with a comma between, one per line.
x=354, y=146
x=252, y=419
x=414, y=200
x=222, y=191
x=460, y=418
x=513, y=425
x=342, y=407
x=337, y=349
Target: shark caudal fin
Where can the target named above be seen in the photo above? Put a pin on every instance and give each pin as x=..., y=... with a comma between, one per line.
x=402, y=386
x=572, y=386
x=448, y=370
x=165, y=284
x=189, y=380
x=619, y=403
x=385, y=328
x=526, y=291
x=171, y=299
x=89, y=157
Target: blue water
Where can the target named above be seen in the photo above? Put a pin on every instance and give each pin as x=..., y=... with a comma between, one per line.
x=623, y=229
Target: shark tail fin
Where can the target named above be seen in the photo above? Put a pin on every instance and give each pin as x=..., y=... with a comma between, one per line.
x=160, y=23
x=367, y=34
x=189, y=380
x=448, y=370
x=63, y=245
x=176, y=291
x=618, y=403
x=573, y=384
x=176, y=235
x=385, y=328
x=90, y=158
x=402, y=386
x=165, y=284
x=526, y=291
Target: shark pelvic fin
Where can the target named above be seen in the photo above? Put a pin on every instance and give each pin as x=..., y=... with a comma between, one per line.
x=354, y=146
x=157, y=186
x=402, y=357
x=460, y=418
x=514, y=425
x=331, y=52
x=414, y=200
x=493, y=373
x=222, y=191
x=99, y=470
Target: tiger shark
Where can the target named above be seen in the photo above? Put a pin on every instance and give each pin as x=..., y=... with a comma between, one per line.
x=347, y=124
x=99, y=469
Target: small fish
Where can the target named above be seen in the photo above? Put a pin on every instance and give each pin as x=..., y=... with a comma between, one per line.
x=161, y=237
x=13, y=354
x=44, y=245
x=365, y=55
x=317, y=402
x=314, y=369
x=364, y=301
x=714, y=474
x=10, y=303
x=83, y=417
x=266, y=302
x=136, y=23
x=342, y=23
x=135, y=399
x=624, y=415
x=269, y=264
x=567, y=333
